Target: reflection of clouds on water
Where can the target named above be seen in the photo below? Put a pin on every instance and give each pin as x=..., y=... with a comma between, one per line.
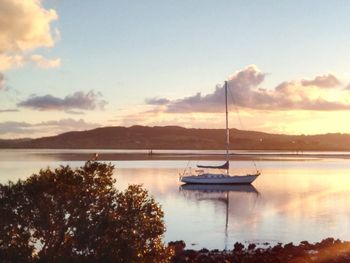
x=304, y=200
x=304, y=194
x=286, y=195
x=158, y=181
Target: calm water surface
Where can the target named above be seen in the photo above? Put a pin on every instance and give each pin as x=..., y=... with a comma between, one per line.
x=293, y=199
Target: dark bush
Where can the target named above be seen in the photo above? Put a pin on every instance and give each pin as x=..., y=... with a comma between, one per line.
x=77, y=215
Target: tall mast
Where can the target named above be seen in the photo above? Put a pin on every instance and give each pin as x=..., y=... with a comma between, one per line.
x=227, y=130
x=226, y=223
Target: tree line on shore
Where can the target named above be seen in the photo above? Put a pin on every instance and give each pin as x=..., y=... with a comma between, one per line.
x=174, y=137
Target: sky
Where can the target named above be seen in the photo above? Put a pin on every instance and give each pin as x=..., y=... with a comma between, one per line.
x=77, y=65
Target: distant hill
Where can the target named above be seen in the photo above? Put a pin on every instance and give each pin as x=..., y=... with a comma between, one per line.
x=174, y=137
x=12, y=143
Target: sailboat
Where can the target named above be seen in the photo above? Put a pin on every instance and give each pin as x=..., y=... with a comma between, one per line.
x=203, y=177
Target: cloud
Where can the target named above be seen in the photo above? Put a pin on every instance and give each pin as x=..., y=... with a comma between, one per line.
x=44, y=62
x=2, y=81
x=15, y=61
x=157, y=101
x=24, y=27
x=77, y=100
x=293, y=95
x=240, y=83
x=245, y=91
x=75, y=112
x=69, y=123
x=323, y=81
x=9, y=110
x=10, y=61
x=14, y=129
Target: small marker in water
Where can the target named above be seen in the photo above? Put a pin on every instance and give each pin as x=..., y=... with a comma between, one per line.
x=95, y=157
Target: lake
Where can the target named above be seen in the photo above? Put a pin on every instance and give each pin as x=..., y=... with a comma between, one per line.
x=297, y=197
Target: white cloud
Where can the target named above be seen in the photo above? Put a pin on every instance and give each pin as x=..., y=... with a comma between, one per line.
x=15, y=61
x=245, y=91
x=25, y=25
x=44, y=62
x=10, y=61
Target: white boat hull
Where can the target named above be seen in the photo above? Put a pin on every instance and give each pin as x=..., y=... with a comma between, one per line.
x=219, y=179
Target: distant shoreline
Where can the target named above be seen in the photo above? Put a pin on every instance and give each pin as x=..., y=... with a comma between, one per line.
x=171, y=137
x=143, y=155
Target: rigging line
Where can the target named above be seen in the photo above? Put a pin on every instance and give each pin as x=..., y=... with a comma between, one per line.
x=184, y=171
x=239, y=119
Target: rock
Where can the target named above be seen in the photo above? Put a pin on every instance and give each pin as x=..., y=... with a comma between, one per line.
x=328, y=250
x=204, y=250
x=238, y=247
x=251, y=246
x=177, y=246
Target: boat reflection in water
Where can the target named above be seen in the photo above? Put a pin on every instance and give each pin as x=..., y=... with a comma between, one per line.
x=218, y=188
x=222, y=193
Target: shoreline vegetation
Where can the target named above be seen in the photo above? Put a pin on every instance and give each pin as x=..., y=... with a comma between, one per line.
x=179, y=138
x=329, y=250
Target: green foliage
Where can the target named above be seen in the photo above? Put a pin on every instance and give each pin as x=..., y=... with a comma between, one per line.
x=67, y=215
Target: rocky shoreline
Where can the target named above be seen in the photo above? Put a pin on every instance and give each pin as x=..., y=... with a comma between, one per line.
x=329, y=250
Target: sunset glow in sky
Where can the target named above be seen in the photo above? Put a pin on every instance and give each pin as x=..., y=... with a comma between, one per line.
x=76, y=65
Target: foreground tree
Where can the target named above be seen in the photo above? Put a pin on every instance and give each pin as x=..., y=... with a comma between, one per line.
x=67, y=215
